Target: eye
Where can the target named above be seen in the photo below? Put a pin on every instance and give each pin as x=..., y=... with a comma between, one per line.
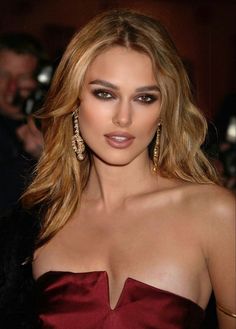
x=102, y=94
x=146, y=99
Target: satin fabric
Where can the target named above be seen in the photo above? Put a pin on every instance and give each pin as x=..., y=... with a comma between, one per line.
x=81, y=301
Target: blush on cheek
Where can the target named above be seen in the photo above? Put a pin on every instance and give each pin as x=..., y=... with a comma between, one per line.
x=87, y=123
x=153, y=126
x=87, y=129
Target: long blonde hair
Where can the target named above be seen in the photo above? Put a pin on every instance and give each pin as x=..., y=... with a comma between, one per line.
x=59, y=178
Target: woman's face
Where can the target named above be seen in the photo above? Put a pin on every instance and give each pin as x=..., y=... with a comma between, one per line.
x=120, y=106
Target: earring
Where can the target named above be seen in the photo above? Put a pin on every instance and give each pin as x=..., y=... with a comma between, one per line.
x=77, y=141
x=156, y=151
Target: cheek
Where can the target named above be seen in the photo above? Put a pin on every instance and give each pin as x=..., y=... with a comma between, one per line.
x=87, y=119
x=148, y=126
x=91, y=122
x=147, y=131
x=93, y=113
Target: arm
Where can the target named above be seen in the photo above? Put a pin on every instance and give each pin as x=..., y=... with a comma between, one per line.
x=222, y=257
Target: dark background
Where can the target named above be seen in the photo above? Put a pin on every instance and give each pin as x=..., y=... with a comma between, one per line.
x=204, y=32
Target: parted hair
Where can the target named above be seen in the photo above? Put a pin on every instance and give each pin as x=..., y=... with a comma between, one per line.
x=59, y=178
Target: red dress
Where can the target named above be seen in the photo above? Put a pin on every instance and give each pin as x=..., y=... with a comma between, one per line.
x=81, y=301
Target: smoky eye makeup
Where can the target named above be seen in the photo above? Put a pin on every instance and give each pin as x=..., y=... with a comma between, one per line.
x=103, y=94
x=147, y=98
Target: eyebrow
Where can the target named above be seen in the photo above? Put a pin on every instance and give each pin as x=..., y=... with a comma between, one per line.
x=112, y=86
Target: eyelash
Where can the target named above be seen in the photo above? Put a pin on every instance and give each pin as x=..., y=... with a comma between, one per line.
x=105, y=95
x=146, y=98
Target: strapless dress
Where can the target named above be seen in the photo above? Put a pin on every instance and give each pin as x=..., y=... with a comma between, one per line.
x=81, y=301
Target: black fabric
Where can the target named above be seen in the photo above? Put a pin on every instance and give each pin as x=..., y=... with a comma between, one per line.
x=16, y=165
x=18, y=300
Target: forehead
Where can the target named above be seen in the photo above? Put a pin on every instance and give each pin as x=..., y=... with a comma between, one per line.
x=121, y=62
x=17, y=63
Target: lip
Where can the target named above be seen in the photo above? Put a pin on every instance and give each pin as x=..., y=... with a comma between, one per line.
x=119, y=139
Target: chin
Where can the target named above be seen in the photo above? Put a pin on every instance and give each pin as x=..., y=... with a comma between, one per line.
x=116, y=161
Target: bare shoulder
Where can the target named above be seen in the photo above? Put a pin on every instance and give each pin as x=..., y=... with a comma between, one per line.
x=217, y=216
x=208, y=206
x=212, y=195
x=201, y=204
x=206, y=200
x=215, y=201
x=206, y=214
x=213, y=211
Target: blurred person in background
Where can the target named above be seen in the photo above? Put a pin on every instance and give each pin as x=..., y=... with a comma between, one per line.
x=225, y=123
x=21, y=141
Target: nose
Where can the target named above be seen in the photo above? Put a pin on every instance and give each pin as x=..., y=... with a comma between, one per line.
x=123, y=115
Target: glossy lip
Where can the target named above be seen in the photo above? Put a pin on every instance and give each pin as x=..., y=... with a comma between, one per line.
x=120, y=144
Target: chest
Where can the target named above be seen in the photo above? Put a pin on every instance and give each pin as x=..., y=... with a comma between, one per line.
x=128, y=237
x=158, y=249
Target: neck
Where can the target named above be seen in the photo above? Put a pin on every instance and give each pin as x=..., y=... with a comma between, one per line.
x=112, y=185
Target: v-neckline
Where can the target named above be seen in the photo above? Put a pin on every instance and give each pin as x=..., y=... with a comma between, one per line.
x=123, y=291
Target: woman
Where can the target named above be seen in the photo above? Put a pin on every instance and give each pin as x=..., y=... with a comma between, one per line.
x=134, y=230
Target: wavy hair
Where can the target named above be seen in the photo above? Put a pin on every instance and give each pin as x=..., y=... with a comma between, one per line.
x=59, y=178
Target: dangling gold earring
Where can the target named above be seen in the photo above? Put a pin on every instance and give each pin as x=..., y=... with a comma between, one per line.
x=156, y=151
x=77, y=141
